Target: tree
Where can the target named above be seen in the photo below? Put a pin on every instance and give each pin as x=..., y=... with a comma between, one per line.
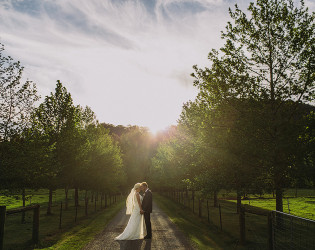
x=267, y=58
x=104, y=161
x=137, y=148
x=224, y=146
x=16, y=98
x=72, y=148
x=51, y=119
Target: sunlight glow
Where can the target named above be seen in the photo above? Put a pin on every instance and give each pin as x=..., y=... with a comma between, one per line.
x=130, y=61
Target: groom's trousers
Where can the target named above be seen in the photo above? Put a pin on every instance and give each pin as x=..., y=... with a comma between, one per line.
x=147, y=220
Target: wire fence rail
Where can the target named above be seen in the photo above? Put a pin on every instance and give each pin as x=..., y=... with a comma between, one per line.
x=36, y=225
x=291, y=232
x=253, y=227
x=247, y=227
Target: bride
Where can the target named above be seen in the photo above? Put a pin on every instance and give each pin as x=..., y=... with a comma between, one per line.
x=135, y=228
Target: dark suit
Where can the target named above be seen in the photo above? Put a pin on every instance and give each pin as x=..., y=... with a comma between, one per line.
x=147, y=208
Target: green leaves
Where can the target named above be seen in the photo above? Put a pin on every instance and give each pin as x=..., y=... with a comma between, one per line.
x=245, y=123
x=16, y=98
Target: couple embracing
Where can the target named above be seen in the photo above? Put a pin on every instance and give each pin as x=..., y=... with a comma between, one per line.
x=139, y=207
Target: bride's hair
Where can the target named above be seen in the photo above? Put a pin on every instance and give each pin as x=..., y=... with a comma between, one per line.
x=137, y=185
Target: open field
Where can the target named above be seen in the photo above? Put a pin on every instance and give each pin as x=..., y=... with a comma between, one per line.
x=37, y=197
x=287, y=193
x=70, y=236
x=303, y=205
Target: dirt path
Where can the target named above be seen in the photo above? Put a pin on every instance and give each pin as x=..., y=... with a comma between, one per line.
x=165, y=234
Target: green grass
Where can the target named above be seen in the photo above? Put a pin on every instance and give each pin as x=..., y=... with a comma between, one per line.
x=200, y=232
x=78, y=236
x=35, y=197
x=301, y=206
x=256, y=225
x=288, y=193
x=18, y=235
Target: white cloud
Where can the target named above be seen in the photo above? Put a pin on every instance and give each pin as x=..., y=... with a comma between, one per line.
x=130, y=60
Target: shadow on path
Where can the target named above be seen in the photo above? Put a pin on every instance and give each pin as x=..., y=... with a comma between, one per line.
x=166, y=235
x=135, y=244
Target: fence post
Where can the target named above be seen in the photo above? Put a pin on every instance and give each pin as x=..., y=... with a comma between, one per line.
x=220, y=216
x=199, y=210
x=270, y=239
x=2, y=222
x=182, y=197
x=208, y=211
x=76, y=213
x=193, y=200
x=35, y=235
x=102, y=200
x=86, y=206
x=242, y=225
x=60, y=215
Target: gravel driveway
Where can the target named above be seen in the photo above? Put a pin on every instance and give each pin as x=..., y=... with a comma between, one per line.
x=165, y=234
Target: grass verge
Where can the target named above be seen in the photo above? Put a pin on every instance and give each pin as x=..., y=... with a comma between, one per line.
x=78, y=236
x=202, y=234
x=18, y=235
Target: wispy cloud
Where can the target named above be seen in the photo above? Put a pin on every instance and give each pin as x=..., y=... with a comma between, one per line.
x=130, y=60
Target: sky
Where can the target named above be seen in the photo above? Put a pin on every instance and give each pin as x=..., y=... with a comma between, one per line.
x=129, y=60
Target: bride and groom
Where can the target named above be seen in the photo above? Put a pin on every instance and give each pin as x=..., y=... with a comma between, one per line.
x=139, y=207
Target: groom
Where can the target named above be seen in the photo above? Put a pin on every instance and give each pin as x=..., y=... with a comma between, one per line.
x=147, y=208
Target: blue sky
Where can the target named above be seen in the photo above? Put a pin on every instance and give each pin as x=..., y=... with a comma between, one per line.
x=129, y=60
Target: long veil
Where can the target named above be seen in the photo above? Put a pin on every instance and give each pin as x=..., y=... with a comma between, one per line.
x=130, y=202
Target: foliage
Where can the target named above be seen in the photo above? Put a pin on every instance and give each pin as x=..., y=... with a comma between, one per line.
x=16, y=98
x=137, y=147
x=245, y=125
x=103, y=169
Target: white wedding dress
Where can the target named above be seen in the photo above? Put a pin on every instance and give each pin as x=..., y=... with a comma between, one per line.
x=135, y=228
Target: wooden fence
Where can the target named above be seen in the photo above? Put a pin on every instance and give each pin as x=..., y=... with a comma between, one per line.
x=35, y=231
x=222, y=209
x=92, y=203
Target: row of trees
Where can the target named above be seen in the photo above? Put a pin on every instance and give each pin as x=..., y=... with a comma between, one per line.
x=251, y=127
x=53, y=145
x=56, y=144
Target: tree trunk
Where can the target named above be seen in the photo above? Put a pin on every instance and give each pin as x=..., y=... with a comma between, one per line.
x=279, y=196
x=239, y=202
x=102, y=195
x=50, y=201
x=86, y=199
x=23, y=199
x=215, y=198
x=193, y=200
x=76, y=196
x=66, y=198
x=200, y=208
x=105, y=200
x=182, y=197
